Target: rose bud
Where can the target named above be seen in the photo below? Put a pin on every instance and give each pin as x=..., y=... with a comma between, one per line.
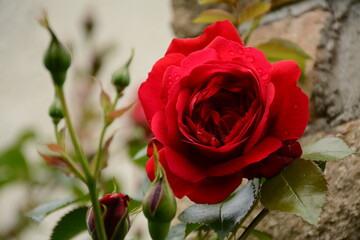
x=159, y=206
x=55, y=111
x=57, y=58
x=115, y=216
x=121, y=78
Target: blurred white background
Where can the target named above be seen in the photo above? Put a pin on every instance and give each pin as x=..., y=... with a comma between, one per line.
x=25, y=86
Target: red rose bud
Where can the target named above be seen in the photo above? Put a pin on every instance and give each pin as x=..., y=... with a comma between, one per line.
x=121, y=78
x=57, y=58
x=159, y=207
x=55, y=111
x=115, y=216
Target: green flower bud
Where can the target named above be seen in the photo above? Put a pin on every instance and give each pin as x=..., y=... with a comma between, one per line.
x=55, y=111
x=57, y=59
x=159, y=207
x=121, y=78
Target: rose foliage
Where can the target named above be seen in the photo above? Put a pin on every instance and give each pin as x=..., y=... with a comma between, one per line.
x=220, y=112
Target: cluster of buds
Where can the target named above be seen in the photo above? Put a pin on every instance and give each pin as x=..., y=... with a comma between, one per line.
x=115, y=216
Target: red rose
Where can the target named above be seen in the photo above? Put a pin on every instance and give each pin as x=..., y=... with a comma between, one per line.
x=220, y=112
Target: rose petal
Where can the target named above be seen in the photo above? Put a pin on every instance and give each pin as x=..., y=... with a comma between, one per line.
x=174, y=74
x=289, y=113
x=179, y=186
x=183, y=165
x=268, y=167
x=215, y=189
x=259, y=152
x=261, y=126
x=221, y=28
x=150, y=91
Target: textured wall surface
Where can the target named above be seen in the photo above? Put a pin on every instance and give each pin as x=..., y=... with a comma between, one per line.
x=329, y=31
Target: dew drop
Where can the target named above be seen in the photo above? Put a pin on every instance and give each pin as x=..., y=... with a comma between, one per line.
x=260, y=70
x=240, y=51
x=250, y=59
x=247, y=49
x=177, y=77
x=286, y=132
x=265, y=76
x=231, y=53
x=296, y=106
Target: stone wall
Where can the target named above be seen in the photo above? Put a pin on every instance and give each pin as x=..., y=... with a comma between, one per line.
x=329, y=31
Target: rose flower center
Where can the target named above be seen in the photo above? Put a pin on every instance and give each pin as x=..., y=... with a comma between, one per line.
x=215, y=110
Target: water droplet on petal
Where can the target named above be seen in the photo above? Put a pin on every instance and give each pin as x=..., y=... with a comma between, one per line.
x=265, y=76
x=247, y=49
x=296, y=106
x=240, y=51
x=231, y=53
x=177, y=77
x=250, y=59
x=286, y=132
x=260, y=70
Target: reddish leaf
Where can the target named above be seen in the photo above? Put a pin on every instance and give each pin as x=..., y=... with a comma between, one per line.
x=54, y=160
x=120, y=112
x=54, y=148
x=105, y=101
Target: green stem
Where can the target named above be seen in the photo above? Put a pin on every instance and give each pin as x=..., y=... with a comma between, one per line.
x=90, y=181
x=77, y=147
x=98, y=159
x=69, y=160
x=254, y=223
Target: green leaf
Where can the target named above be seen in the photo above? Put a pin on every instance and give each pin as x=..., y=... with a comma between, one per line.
x=70, y=225
x=253, y=10
x=278, y=3
x=213, y=15
x=223, y=217
x=300, y=189
x=182, y=230
x=134, y=204
x=230, y=2
x=327, y=149
x=141, y=158
x=40, y=212
x=280, y=49
x=13, y=163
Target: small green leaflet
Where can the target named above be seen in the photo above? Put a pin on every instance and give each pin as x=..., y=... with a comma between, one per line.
x=223, y=217
x=70, y=225
x=300, y=189
x=40, y=212
x=253, y=10
x=278, y=49
x=230, y=2
x=213, y=15
x=327, y=149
